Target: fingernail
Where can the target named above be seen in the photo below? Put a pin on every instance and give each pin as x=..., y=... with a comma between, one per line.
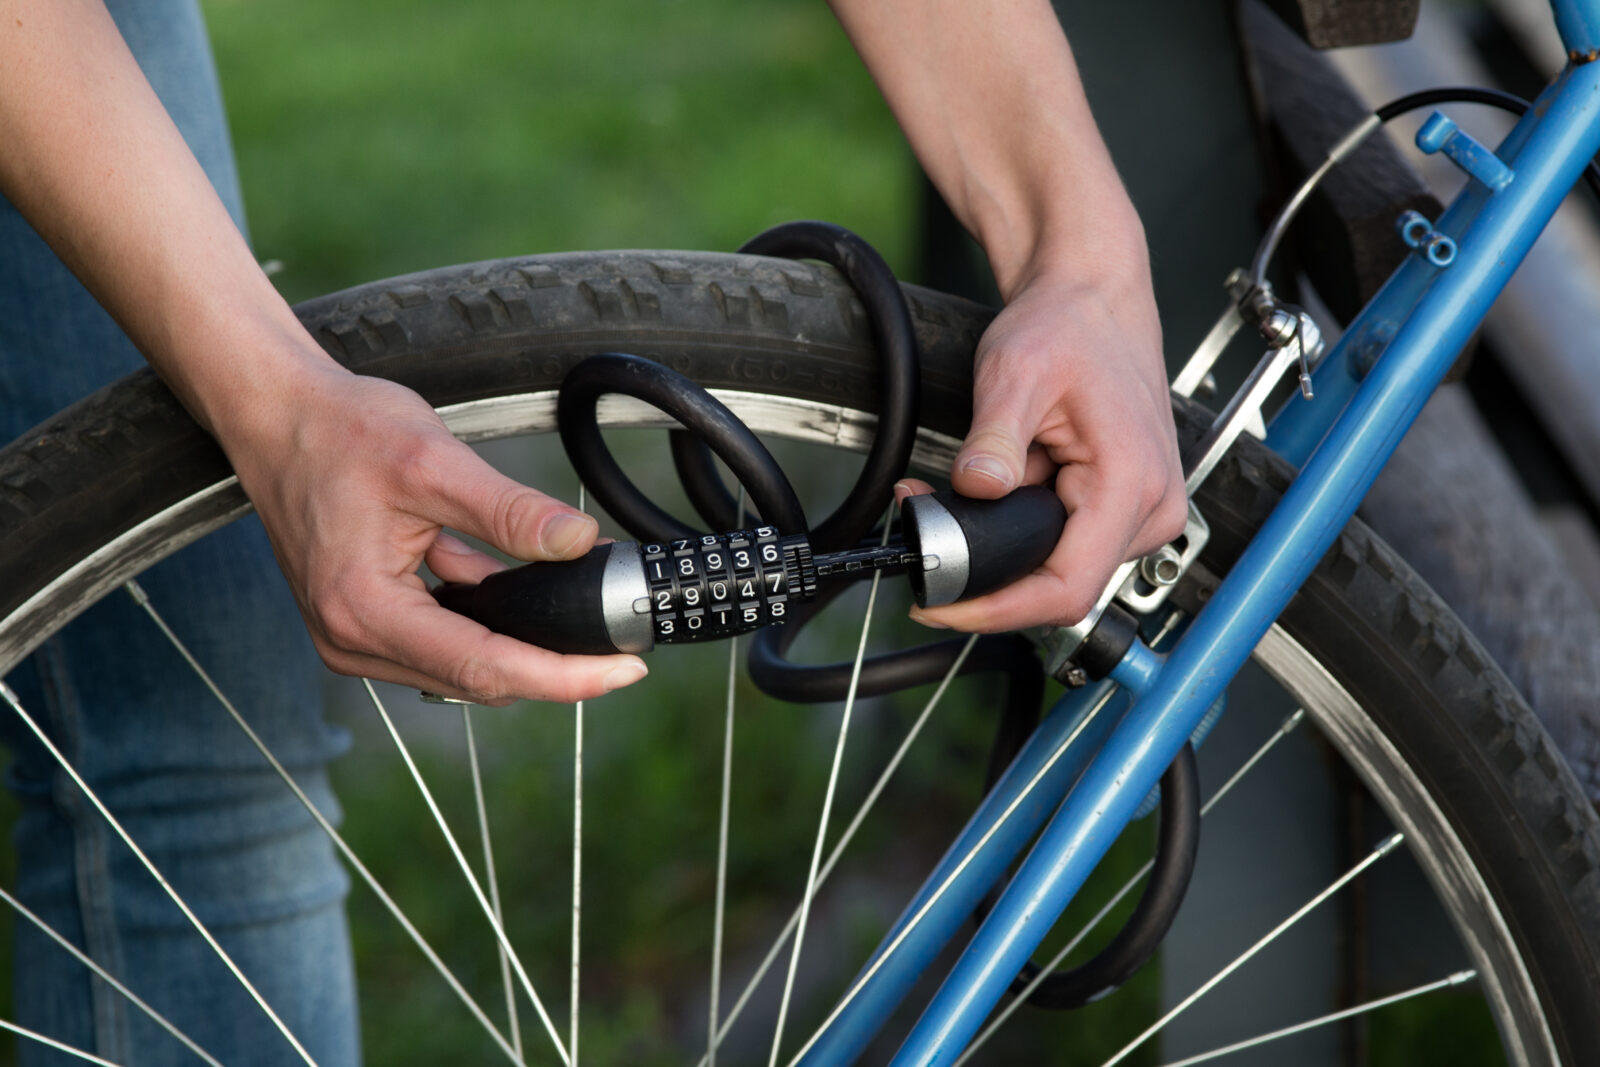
x=918, y=617
x=444, y=542
x=626, y=674
x=565, y=531
x=989, y=467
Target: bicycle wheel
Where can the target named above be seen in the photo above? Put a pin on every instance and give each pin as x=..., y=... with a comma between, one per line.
x=1398, y=690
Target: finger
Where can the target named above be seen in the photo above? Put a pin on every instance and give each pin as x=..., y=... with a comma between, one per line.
x=1039, y=468
x=467, y=494
x=1013, y=608
x=910, y=487
x=1093, y=544
x=1164, y=525
x=446, y=653
x=453, y=560
x=994, y=456
x=1168, y=516
x=556, y=691
x=1060, y=593
x=1146, y=495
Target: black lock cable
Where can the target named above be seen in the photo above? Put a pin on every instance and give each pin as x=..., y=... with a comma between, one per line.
x=715, y=427
x=898, y=387
x=1177, y=845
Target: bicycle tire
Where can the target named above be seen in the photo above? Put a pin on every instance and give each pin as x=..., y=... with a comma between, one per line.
x=125, y=477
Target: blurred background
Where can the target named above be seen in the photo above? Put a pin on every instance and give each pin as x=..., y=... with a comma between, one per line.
x=380, y=138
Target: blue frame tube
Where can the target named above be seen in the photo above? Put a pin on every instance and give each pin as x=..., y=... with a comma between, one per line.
x=1548, y=149
x=1579, y=24
x=861, y=1019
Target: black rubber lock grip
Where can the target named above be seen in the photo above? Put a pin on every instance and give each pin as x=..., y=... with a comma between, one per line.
x=556, y=605
x=980, y=545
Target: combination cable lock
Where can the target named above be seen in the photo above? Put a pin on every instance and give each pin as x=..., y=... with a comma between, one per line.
x=627, y=597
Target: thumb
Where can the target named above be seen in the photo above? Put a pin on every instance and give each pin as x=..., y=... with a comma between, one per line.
x=521, y=522
x=993, y=458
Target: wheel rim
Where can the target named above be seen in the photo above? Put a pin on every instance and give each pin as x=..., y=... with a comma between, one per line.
x=1439, y=850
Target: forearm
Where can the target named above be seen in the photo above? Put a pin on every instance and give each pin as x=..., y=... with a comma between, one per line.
x=95, y=163
x=1068, y=383
x=354, y=477
x=990, y=99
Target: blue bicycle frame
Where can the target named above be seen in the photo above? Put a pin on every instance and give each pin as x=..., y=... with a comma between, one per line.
x=1341, y=440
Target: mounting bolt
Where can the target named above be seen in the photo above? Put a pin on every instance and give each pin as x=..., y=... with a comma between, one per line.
x=1278, y=327
x=1073, y=676
x=1162, y=567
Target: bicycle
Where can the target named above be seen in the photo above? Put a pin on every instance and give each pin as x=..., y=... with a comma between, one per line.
x=1469, y=780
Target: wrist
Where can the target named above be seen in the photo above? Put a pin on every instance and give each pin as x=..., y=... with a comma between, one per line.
x=247, y=377
x=1091, y=241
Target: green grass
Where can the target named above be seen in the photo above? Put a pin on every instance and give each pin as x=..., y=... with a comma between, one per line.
x=380, y=138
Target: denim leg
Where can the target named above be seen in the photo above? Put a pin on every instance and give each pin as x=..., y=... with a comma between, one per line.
x=183, y=779
x=148, y=736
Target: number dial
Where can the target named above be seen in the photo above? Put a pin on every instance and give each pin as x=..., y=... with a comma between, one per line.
x=719, y=585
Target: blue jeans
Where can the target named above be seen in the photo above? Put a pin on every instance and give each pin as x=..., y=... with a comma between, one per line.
x=145, y=733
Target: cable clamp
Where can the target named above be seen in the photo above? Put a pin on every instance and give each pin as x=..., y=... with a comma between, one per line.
x=1439, y=134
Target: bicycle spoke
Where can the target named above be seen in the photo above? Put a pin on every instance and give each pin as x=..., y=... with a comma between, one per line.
x=1285, y=728
x=846, y=837
x=465, y=868
x=1388, y=845
x=577, y=855
x=327, y=827
x=1459, y=978
x=827, y=802
x=955, y=873
x=145, y=861
x=106, y=977
x=33, y=1035
x=713, y=1038
x=490, y=875
x=1289, y=723
x=577, y=869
